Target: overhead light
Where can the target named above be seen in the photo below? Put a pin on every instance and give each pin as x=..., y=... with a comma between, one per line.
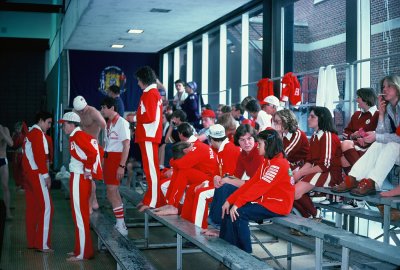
x=117, y=46
x=135, y=31
x=260, y=39
x=160, y=10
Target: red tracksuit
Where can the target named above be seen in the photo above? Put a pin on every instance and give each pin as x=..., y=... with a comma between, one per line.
x=325, y=152
x=365, y=120
x=148, y=136
x=195, y=167
x=39, y=206
x=85, y=156
x=291, y=89
x=248, y=163
x=296, y=147
x=195, y=207
x=270, y=187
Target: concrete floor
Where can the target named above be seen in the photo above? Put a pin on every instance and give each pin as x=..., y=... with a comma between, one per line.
x=16, y=256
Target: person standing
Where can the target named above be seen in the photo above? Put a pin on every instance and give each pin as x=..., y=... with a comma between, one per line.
x=84, y=165
x=5, y=139
x=92, y=123
x=149, y=134
x=115, y=92
x=191, y=105
x=116, y=153
x=180, y=95
x=39, y=206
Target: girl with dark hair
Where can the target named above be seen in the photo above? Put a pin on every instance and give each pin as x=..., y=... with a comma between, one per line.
x=248, y=162
x=269, y=193
x=323, y=166
x=362, y=121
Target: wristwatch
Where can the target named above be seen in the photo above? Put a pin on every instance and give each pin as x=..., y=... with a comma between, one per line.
x=122, y=166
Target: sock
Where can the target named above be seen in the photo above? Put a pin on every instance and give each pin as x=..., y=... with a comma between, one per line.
x=119, y=212
x=300, y=208
x=351, y=155
x=308, y=205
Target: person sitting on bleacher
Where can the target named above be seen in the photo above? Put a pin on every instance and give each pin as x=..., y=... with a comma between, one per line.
x=362, y=121
x=323, y=166
x=295, y=143
x=269, y=193
x=373, y=167
x=197, y=166
x=195, y=207
x=247, y=164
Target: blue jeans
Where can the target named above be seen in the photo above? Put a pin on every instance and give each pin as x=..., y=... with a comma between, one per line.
x=220, y=196
x=238, y=233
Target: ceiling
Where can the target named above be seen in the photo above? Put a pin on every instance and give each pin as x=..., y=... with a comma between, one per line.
x=106, y=22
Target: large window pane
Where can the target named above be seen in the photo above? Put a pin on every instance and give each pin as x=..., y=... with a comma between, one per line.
x=213, y=69
x=233, y=59
x=183, y=62
x=171, y=86
x=255, y=46
x=197, y=54
x=385, y=39
x=319, y=34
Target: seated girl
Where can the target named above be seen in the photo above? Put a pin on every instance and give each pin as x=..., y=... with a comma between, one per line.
x=269, y=193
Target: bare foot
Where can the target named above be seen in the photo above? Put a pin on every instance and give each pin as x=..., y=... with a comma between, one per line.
x=47, y=250
x=139, y=205
x=143, y=208
x=211, y=232
x=168, y=210
x=160, y=208
x=391, y=193
x=74, y=259
x=95, y=205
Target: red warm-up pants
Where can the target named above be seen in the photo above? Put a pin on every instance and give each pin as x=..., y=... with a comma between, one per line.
x=181, y=178
x=149, y=151
x=80, y=191
x=39, y=212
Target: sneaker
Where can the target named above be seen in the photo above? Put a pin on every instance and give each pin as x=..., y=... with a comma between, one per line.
x=122, y=230
x=325, y=202
x=353, y=204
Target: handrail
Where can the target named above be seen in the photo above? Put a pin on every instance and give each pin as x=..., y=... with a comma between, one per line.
x=375, y=58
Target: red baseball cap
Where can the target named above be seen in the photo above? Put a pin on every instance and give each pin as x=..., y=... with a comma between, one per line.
x=208, y=113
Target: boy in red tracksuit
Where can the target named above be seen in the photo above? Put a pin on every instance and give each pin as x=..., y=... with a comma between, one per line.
x=197, y=166
x=149, y=134
x=195, y=208
x=39, y=206
x=269, y=193
x=85, y=164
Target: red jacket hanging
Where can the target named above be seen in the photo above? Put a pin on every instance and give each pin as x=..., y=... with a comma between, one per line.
x=291, y=89
x=265, y=89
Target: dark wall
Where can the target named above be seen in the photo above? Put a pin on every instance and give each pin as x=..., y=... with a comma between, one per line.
x=23, y=89
x=86, y=68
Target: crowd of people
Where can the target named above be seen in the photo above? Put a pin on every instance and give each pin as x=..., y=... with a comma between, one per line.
x=216, y=169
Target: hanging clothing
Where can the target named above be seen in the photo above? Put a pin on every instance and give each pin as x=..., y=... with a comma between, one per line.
x=291, y=89
x=327, y=90
x=265, y=89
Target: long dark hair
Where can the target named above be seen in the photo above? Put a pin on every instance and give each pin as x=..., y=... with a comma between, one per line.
x=325, y=120
x=273, y=143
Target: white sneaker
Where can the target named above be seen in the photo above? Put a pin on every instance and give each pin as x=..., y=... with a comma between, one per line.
x=325, y=202
x=122, y=230
x=353, y=204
